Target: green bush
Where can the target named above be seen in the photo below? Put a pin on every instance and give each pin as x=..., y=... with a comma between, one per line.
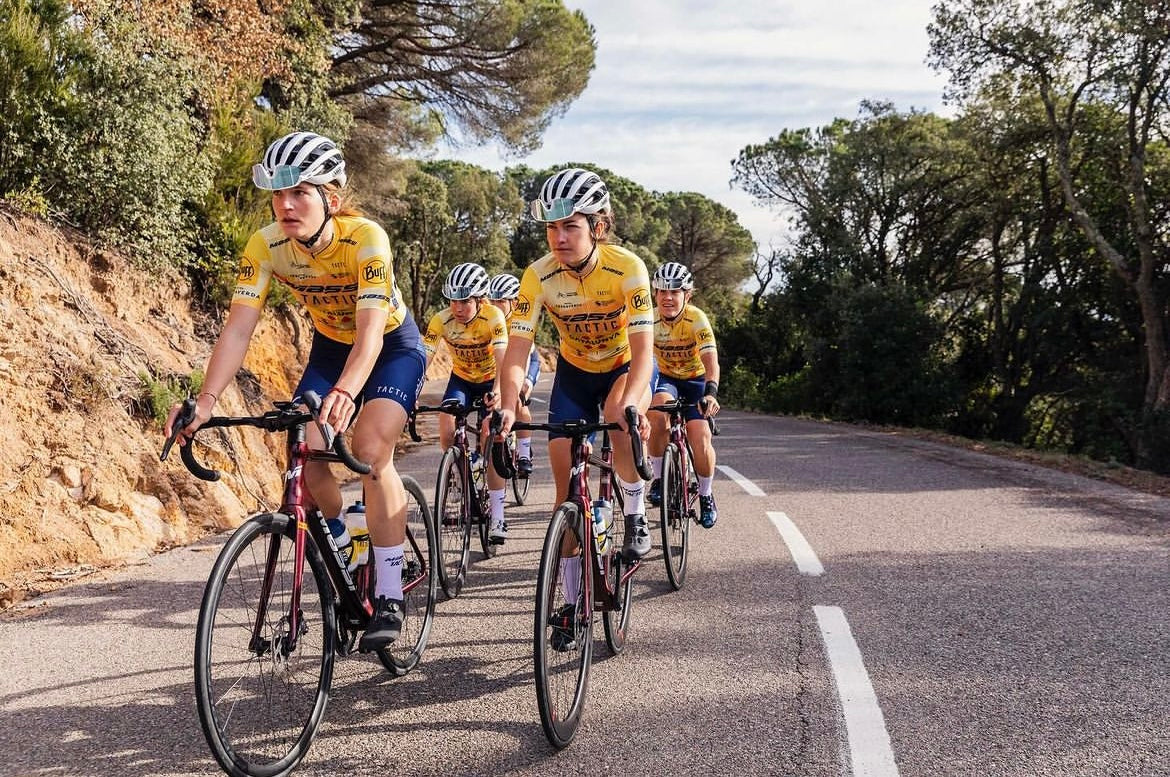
x=159, y=394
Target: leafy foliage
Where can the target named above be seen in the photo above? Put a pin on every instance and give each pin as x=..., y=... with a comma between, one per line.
x=497, y=69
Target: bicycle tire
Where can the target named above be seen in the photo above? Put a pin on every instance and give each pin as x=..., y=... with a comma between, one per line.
x=674, y=519
x=562, y=675
x=520, y=483
x=520, y=487
x=616, y=623
x=260, y=709
x=483, y=502
x=452, y=523
x=420, y=584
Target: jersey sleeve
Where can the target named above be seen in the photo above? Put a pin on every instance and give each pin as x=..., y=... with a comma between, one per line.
x=527, y=313
x=433, y=335
x=497, y=325
x=636, y=289
x=375, y=273
x=704, y=334
x=254, y=273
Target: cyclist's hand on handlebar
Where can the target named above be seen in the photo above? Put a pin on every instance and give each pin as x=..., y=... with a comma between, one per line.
x=184, y=435
x=525, y=390
x=507, y=418
x=491, y=399
x=709, y=406
x=337, y=409
x=643, y=423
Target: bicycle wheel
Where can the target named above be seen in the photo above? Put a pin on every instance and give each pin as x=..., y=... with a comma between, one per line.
x=484, y=510
x=453, y=520
x=674, y=519
x=261, y=696
x=562, y=643
x=520, y=482
x=617, y=621
x=420, y=584
x=520, y=488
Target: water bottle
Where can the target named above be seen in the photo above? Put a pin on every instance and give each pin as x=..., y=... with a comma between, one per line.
x=476, y=462
x=359, y=534
x=341, y=538
x=602, y=523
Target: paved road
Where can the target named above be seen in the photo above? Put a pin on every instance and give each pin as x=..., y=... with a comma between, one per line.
x=1006, y=621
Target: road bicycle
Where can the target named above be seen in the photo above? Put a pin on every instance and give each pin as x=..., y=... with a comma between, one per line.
x=680, y=491
x=461, y=494
x=268, y=630
x=563, y=629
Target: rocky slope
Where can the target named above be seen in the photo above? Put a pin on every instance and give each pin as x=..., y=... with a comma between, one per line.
x=81, y=485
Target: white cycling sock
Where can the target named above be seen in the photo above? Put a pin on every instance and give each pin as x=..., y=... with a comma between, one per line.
x=497, y=500
x=524, y=447
x=705, y=485
x=388, y=567
x=633, y=492
x=571, y=579
x=656, y=465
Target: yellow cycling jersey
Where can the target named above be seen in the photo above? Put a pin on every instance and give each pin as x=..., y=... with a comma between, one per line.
x=678, y=343
x=472, y=344
x=593, y=314
x=354, y=273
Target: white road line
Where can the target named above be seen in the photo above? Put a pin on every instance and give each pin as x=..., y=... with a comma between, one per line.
x=870, y=753
x=744, y=483
x=802, y=553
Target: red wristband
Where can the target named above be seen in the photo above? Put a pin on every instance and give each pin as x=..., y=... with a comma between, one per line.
x=342, y=392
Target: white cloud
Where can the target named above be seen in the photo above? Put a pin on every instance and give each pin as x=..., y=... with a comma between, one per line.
x=681, y=86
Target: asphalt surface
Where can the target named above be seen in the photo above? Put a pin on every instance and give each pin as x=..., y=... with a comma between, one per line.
x=1011, y=621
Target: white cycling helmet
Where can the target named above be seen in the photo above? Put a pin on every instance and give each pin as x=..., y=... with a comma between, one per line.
x=570, y=191
x=673, y=275
x=299, y=157
x=504, y=286
x=465, y=281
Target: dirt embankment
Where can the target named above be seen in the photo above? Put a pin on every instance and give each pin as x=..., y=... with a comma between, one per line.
x=81, y=485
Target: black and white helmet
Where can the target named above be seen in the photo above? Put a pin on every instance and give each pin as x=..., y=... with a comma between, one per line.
x=504, y=286
x=673, y=275
x=299, y=157
x=465, y=281
x=570, y=191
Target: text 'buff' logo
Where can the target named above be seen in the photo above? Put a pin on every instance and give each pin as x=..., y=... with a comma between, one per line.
x=641, y=302
x=523, y=305
x=376, y=272
x=247, y=269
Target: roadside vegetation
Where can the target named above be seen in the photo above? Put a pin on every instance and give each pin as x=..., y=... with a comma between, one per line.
x=998, y=273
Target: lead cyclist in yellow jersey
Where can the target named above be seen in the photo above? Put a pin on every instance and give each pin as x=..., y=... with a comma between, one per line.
x=365, y=344
x=598, y=295
x=688, y=369
x=476, y=335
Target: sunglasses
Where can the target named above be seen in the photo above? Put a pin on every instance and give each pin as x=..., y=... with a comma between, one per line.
x=283, y=177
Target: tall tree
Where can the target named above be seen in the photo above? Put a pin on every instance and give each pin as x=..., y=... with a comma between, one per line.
x=494, y=69
x=708, y=238
x=1101, y=70
x=450, y=213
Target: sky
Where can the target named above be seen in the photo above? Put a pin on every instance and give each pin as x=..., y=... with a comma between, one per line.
x=681, y=86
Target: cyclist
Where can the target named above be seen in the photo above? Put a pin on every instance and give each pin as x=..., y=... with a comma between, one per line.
x=598, y=295
x=365, y=344
x=688, y=368
x=476, y=335
x=503, y=289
